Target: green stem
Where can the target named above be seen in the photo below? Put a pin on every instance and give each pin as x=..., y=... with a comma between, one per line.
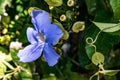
x=7, y=64
x=97, y=73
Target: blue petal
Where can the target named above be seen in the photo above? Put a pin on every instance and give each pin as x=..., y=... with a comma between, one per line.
x=32, y=35
x=50, y=55
x=52, y=34
x=30, y=53
x=39, y=19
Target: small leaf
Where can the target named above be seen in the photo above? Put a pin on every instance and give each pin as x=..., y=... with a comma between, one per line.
x=109, y=72
x=13, y=54
x=97, y=58
x=69, y=14
x=3, y=49
x=107, y=27
x=90, y=51
x=3, y=56
x=54, y=2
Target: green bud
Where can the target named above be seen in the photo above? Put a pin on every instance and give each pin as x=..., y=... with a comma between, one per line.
x=4, y=31
x=78, y=26
x=69, y=14
x=5, y=19
x=4, y=40
x=54, y=2
x=63, y=17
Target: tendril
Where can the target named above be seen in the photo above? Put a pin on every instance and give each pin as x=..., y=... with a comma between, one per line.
x=90, y=40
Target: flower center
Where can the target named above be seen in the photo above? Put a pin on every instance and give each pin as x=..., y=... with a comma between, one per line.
x=41, y=37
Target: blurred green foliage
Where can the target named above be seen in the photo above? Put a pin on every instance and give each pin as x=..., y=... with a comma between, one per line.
x=79, y=61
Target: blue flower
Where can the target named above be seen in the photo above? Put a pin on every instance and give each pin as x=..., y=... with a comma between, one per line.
x=42, y=38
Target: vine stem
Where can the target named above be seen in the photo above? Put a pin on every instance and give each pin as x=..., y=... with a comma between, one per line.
x=97, y=73
x=93, y=41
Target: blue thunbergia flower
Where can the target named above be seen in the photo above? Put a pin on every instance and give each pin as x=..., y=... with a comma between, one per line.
x=42, y=38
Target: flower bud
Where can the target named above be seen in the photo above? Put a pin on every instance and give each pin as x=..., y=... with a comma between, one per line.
x=63, y=18
x=4, y=31
x=4, y=40
x=78, y=26
x=51, y=7
x=66, y=47
x=15, y=45
x=70, y=3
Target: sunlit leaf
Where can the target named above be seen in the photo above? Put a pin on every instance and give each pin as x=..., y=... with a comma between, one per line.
x=2, y=69
x=109, y=72
x=3, y=4
x=97, y=58
x=107, y=27
x=54, y=2
x=4, y=56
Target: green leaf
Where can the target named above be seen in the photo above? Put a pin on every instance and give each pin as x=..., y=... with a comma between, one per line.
x=90, y=51
x=54, y=2
x=26, y=74
x=2, y=69
x=51, y=77
x=19, y=8
x=69, y=14
x=91, y=6
x=107, y=27
x=3, y=4
x=74, y=76
x=115, y=4
x=3, y=49
x=97, y=58
x=3, y=56
x=109, y=72
x=13, y=53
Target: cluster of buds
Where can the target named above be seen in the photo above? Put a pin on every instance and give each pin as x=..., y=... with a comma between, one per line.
x=4, y=40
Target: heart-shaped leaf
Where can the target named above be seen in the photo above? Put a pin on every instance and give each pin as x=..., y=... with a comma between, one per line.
x=97, y=58
x=107, y=27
